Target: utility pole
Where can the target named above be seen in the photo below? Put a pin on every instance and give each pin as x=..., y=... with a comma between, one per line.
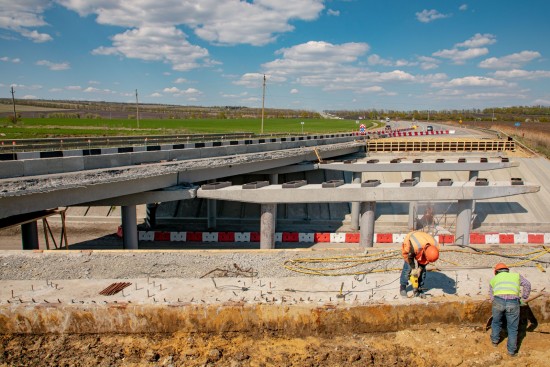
x=137, y=109
x=263, y=105
x=13, y=101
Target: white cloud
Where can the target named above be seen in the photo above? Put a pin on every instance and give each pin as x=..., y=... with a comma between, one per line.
x=171, y=90
x=255, y=80
x=54, y=66
x=335, y=13
x=489, y=96
x=472, y=81
x=29, y=96
x=212, y=20
x=180, y=80
x=545, y=102
x=512, y=61
x=521, y=74
x=168, y=45
x=463, y=7
x=427, y=16
x=156, y=95
x=460, y=56
x=73, y=87
x=428, y=63
x=22, y=15
x=7, y=59
x=178, y=92
x=294, y=91
x=478, y=40
x=377, y=60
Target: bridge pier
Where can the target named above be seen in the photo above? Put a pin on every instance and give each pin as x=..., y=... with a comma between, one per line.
x=29, y=236
x=356, y=205
x=129, y=227
x=366, y=235
x=463, y=220
x=267, y=226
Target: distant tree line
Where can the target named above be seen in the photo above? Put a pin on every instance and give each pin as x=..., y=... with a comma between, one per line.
x=516, y=113
x=72, y=109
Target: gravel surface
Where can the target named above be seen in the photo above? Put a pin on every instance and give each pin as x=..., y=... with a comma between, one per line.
x=19, y=265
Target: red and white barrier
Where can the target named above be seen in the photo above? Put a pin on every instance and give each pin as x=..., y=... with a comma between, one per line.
x=340, y=237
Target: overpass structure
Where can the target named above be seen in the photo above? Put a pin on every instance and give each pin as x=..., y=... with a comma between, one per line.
x=37, y=183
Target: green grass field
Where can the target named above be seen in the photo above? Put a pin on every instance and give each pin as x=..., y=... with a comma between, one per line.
x=66, y=127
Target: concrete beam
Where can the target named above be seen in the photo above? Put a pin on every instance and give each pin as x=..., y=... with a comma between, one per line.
x=315, y=193
x=174, y=193
x=416, y=167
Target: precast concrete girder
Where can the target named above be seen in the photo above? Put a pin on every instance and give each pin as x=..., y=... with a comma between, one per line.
x=316, y=193
x=415, y=167
x=174, y=193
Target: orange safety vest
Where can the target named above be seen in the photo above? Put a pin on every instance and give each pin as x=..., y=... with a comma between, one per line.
x=415, y=242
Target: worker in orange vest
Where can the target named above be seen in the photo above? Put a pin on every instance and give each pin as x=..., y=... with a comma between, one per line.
x=422, y=247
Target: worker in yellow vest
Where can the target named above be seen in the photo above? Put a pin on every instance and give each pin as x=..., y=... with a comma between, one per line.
x=507, y=290
x=422, y=247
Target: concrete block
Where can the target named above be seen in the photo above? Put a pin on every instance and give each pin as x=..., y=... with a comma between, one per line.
x=242, y=236
x=73, y=153
x=521, y=237
x=278, y=237
x=146, y=235
x=492, y=238
x=306, y=237
x=399, y=237
x=535, y=238
x=338, y=237
x=178, y=236
x=210, y=237
x=547, y=238
x=10, y=169
x=505, y=238
x=150, y=157
x=109, y=151
x=183, y=154
x=28, y=155
x=166, y=147
x=106, y=161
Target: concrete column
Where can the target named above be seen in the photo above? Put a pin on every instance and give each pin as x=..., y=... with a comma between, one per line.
x=356, y=205
x=211, y=210
x=274, y=180
x=267, y=226
x=367, y=223
x=129, y=228
x=413, y=205
x=151, y=215
x=463, y=220
x=29, y=236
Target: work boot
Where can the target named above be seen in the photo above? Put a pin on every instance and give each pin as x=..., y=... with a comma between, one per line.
x=403, y=291
x=419, y=294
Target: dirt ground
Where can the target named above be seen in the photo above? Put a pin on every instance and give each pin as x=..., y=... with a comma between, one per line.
x=434, y=345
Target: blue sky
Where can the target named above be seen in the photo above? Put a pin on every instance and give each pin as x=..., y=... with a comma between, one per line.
x=316, y=54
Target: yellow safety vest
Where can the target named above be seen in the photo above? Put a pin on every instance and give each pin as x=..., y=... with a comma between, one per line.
x=505, y=283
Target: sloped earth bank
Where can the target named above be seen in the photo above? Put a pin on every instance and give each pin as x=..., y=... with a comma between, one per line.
x=432, y=345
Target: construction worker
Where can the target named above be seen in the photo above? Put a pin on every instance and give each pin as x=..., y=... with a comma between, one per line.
x=422, y=247
x=506, y=297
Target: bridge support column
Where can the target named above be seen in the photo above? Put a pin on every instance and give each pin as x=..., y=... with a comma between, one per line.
x=356, y=205
x=274, y=180
x=463, y=222
x=129, y=228
x=29, y=236
x=413, y=205
x=151, y=215
x=267, y=226
x=368, y=209
x=211, y=209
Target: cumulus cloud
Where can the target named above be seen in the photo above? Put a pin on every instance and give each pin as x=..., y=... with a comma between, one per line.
x=463, y=7
x=168, y=45
x=185, y=92
x=294, y=91
x=22, y=16
x=427, y=16
x=468, y=49
x=212, y=20
x=12, y=60
x=512, y=61
x=155, y=95
x=333, y=12
x=522, y=74
x=472, y=81
x=54, y=66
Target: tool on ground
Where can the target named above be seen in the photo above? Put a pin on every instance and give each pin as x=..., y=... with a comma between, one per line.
x=523, y=303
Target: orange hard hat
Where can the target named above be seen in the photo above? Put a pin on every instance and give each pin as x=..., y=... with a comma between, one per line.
x=431, y=253
x=500, y=266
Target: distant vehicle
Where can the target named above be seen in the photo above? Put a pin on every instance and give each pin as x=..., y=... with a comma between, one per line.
x=387, y=119
x=388, y=127
x=429, y=128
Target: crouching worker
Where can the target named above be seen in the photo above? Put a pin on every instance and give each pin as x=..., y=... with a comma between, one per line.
x=422, y=247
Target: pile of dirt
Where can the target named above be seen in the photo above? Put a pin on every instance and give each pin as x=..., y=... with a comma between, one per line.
x=433, y=345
